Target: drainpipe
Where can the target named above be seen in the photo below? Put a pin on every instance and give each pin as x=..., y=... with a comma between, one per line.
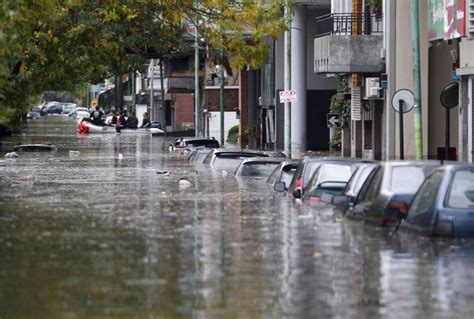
x=152, y=104
x=287, y=85
x=415, y=34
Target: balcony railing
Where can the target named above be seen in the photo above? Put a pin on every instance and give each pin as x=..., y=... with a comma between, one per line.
x=344, y=23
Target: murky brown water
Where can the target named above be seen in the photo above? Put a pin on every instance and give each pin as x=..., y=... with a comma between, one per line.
x=98, y=234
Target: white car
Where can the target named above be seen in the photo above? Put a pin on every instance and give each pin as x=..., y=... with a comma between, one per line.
x=80, y=114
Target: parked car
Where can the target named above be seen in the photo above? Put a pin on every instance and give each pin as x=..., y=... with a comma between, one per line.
x=353, y=187
x=198, y=155
x=444, y=204
x=69, y=108
x=389, y=191
x=34, y=113
x=302, y=176
x=82, y=112
x=283, y=174
x=229, y=160
x=191, y=142
x=306, y=170
x=257, y=166
x=330, y=178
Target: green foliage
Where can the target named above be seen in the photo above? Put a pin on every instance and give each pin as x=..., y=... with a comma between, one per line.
x=60, y=45
x=342, y=106
x=233, y=135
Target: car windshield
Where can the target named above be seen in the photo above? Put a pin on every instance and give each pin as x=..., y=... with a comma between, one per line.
x=330, y=178
x=461, y=194
x=257, y=169
x=227, y=162
x=406, y=179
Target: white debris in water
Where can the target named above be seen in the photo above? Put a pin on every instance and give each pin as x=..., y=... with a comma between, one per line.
x=224, y=173
x=184, y=183
x=12, y=155
x=120, y=156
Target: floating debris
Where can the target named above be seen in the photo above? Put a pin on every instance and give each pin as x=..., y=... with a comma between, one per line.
x=12, y=155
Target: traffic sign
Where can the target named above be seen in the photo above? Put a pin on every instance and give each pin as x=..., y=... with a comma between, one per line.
x=94, y=103
x=288, y=96
x=333, y=119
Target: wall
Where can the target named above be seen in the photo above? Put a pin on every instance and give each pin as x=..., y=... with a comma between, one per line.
x=315, y=81
x=439, y=76
x=214, y=119
x=404, y=74
x=184, y=110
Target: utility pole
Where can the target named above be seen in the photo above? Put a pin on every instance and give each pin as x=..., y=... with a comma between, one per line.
x=152, y=108
x=415, y=34
x=163, y=99
x=134, y=90
x=197, y=128
x=287, y=85
x=221, y=95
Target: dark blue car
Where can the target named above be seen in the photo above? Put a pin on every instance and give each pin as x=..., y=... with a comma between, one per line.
x=444, y=205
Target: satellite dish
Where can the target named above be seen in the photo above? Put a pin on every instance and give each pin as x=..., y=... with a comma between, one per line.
x=408, y=100
x=449, y=96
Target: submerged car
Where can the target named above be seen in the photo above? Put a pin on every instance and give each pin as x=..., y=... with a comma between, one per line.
x=257, y=166
x=353, y=187
x=444, y=204
x=229, y=160
x=330, y=178
x=198, y=155
x=192, y=142
x=282, y=174
x=389, y=191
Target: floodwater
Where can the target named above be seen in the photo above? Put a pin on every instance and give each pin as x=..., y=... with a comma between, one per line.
x=92, y=231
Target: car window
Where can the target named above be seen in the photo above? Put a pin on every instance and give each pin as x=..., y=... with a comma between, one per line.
x=287, y=175
x=371, y=187
x=258, y=169
x=357, y=180
x=406, y=179
x=272, y=179
x=297, y=175
x=426, y=195
x=208, y=158
x=206, y=143
x=461, y=194
x=309, y=171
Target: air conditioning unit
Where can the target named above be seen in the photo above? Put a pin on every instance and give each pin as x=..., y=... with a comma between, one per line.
x=372, y=88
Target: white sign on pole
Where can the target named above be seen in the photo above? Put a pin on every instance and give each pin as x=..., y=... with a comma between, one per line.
x=288, y=96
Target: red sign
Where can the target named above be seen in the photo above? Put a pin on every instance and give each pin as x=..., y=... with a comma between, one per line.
x=454, y=19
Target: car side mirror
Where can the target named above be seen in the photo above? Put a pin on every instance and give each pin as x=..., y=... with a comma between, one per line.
x=400, y=206
x=279, y=187
x=341, y=200
x=297, y=193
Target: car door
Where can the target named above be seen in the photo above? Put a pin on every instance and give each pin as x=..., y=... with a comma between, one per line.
x=422, y=210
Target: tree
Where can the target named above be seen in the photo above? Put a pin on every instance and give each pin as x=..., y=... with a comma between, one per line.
x=60, y=45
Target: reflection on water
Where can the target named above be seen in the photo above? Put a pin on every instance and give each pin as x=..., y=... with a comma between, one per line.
x=96, y=233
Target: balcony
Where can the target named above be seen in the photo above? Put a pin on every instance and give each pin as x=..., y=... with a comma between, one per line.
x=348, y=43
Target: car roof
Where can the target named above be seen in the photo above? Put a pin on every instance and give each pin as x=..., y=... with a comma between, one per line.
x=262, y=160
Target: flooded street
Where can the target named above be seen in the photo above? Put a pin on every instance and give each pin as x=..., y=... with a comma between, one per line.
x=92, y=231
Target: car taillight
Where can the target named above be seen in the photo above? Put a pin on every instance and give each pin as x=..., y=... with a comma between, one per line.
x=401, y=207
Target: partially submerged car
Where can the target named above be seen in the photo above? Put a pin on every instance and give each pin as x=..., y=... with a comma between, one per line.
x=389, y=191
x=257, y=167
x=229, y=160
x=192, y=142
x=198, y=155
x=282, y=175
x=353, y=187
x=330, y=178
x=444, y=204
